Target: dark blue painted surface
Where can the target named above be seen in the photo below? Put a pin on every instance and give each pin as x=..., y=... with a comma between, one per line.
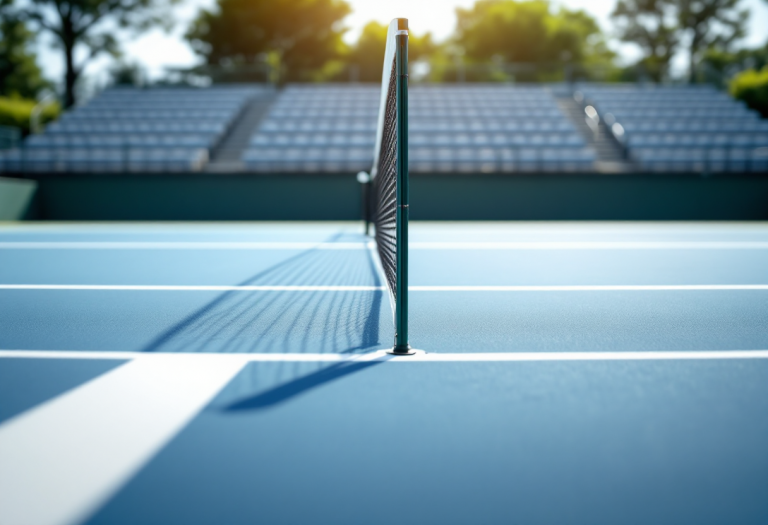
x=25, y=383
x=445, y=443
x=195, y=321
x=589, y=321
x=334, y=322
x=529, y=443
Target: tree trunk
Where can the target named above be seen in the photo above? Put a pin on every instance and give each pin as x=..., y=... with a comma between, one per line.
x=692, y=65
x=70, y=75
x=695, y=43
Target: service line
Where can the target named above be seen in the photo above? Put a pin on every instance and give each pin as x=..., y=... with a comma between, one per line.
x=381, y=355
x=342, y=288
x=469, y=246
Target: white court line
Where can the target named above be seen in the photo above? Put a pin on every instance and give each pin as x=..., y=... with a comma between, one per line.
x=512, y=245
x=592, y=288
x=202, y=288
x=330, y=288
x=63, y=459
x=383, y=356
x=592, y=245
x=129, y=245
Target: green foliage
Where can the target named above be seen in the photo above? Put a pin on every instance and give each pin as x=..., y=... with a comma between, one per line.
x=298, y=37
x=710, y=24
x=717, y=66
x=529, y=32
x=19, y=74
x=17, y=112
x=652, y=25
x=367, y=54
x=751, y=86
x=126, y=74
x=92, y=26
x=662, y=27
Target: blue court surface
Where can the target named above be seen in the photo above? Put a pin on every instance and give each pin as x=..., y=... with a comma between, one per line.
x=580, y=373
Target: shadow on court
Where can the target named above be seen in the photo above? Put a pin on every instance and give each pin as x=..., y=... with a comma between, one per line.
x=299, y=385
x=288, y=321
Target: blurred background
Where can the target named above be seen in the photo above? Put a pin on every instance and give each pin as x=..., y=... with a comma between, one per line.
x=266, y=109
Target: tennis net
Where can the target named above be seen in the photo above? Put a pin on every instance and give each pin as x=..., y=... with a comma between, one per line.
x=387, y=206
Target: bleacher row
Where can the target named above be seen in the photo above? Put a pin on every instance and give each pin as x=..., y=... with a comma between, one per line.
x=696, y=129
x=461, y=128
x=484, y=128
x=316, y=128
x=136, y=130
x=101, y=160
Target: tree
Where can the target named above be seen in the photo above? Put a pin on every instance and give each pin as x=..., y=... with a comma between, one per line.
x=367, y=54
x=17, y=112
x=662, y=27
x=710, y=24
x=90, y=25
x=296, y=36
x=718, y=66
x=20, y=75
x=652, y=25
x=527, y=32
x=126, y=74
x=751, y=86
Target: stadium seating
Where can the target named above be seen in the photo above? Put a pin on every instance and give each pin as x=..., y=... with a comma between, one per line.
x=101, y=160
x=472, y=128
x=480, y=128
x=130, y=129
x=695, y=129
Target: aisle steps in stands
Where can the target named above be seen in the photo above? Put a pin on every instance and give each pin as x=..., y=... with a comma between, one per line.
x=610, y=155
x=227, y=156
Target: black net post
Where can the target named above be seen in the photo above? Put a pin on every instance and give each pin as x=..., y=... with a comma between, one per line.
x=401, y=300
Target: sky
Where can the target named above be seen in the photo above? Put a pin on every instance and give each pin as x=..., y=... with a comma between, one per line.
x=157, y=49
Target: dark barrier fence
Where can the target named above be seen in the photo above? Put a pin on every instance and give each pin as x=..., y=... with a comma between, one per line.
x=455, y=196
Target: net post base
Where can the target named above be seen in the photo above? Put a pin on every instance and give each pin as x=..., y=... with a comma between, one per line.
x=401, y=350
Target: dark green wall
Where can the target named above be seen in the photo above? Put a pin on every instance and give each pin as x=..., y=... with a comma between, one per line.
x=590, y=197
x=199, y=197
x=433, y=197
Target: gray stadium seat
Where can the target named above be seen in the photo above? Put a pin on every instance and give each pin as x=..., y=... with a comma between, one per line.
x=696, y=129
x=477, y=128
x=131, y=129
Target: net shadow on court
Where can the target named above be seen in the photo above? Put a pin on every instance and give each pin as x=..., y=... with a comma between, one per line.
x=278, y=321
x=251, y=379
x=345, y=322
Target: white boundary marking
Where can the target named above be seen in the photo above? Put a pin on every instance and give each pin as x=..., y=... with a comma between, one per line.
x=63, y=459
x=383, y=356
x=592, y=245
x=504, y=245
x=592, y=288
x=152, y=245
x=201, y=288
x=332, y=288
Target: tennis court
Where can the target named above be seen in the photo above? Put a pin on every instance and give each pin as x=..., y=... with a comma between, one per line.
x=239, y=373
x=235, y=373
